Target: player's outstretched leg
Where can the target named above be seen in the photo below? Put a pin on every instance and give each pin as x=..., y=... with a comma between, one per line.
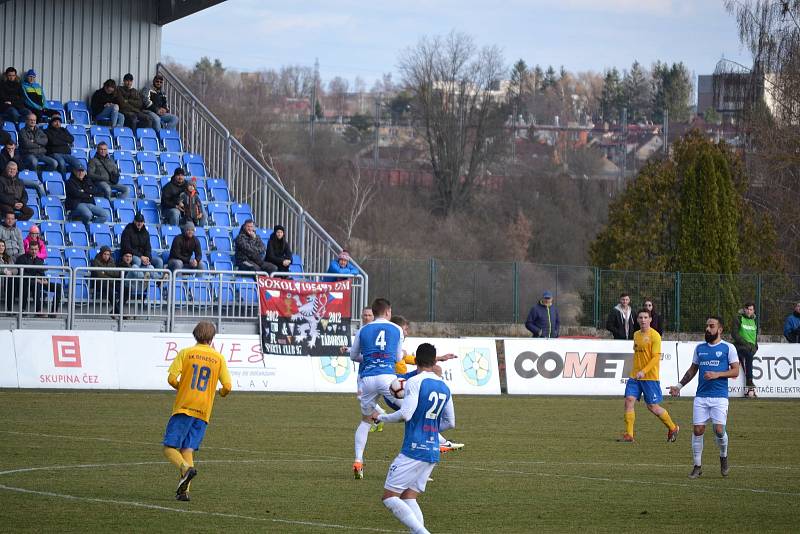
x=445, y=445
x=663, y=414
x=378, y=427
x=629, y=418
x=721, y=436
x=697, y=451
x=362, y=433
x=405, y=514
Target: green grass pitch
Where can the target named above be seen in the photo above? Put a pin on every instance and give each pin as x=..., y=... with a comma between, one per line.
x=92, y=462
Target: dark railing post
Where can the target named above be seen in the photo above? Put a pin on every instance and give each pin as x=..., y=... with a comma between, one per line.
x=515, y=290
x=432, y=285
x=597, y=297
x=678, y=301
x=759, y=282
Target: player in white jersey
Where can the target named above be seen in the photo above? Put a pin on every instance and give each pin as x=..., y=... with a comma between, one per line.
x=427, y=409
x=717, y=361
x=377, y=346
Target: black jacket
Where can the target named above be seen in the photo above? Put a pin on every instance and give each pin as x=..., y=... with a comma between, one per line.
x=59, y=141
x=100, y=98
x=11, y=91
x=615, y=323
x=12, y=190
x=135, y=241
x=183, y=248
x=5, y=158
x=277, y=251
x=79, y=192
x=171, y=194
x=154, y=99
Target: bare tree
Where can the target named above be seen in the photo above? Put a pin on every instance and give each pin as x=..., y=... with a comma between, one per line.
x=362, y=192
x=452, y=83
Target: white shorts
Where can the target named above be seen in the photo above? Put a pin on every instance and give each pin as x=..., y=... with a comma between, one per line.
x=406, y=473
x=714, y=408
x=372, y=388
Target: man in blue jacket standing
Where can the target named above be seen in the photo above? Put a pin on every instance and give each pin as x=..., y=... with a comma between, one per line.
x=543, y=318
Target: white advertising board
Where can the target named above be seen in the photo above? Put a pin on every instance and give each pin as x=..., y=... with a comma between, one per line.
x=144, y=359
x=776, y=371
x=474, y=372
x=576, y=366
x=65, y=359
x=8, y=361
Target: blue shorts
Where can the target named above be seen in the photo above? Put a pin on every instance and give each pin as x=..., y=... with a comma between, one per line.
x=184, y=432
x=649, y=389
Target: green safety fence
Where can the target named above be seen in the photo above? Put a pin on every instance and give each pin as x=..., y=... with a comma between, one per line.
x=503, y=292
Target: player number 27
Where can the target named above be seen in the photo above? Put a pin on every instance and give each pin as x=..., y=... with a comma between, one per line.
x=200, y=377
x=438, y=400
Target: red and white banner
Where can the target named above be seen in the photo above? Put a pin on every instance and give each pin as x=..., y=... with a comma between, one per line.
x=63, y=359
x=776, y=371
x=576, y=366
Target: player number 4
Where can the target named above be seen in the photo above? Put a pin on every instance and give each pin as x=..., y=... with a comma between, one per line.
x=438, y=400
x=380, y=341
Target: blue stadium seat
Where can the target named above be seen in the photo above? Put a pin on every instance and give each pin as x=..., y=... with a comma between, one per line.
x=155, y=242
x=97, y=139
x=54, y=258
x=170, y=161
x=248, y=292
x=37, y=212
x=221, y=238
x=125, y=208
x=101, y=234
x=241, y=212
x=124, y=155
x=27, y=175
x=80, y=116
x=76, y=232
x=221, y=261
x=218, y=189
x=264, y=234
x=202, y=193
x=203, y=240
x=25, y=226
x=150, y=187
x=130, y=181
x=13, y=135
x=81, y=140
x=148, y=140
x=125, y=162
x=219, y=213
x=148, y=162
x=54, y=184
x=150, y=211
x=76, y=257
x=75, y=129
x=118, y=228
x=194, y=164
x=9, y=126
x=53, y=208
x=171, y=140
x=124, y=138
x=168, y=233
x=81, y=153
x=56, y=105
x=104, y=203
x=53, y=233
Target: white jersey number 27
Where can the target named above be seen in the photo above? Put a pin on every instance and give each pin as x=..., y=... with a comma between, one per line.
x=438, y=400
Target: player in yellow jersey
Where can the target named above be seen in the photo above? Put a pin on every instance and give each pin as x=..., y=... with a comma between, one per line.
x=643, y=380
x=194, y=373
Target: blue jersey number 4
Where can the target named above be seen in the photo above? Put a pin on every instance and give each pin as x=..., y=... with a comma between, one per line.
x=380, y=341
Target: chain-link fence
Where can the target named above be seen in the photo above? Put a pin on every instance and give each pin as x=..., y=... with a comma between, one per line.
x=503, y=292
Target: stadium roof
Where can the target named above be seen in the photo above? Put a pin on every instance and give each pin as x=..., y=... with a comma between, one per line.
x=172, y=10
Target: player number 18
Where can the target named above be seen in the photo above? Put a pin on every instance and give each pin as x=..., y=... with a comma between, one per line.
x=200, y=377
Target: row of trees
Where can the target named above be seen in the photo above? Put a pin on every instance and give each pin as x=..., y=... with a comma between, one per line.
x=647, y=94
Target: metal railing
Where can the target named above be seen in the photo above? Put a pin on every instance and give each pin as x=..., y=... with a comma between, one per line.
x=140, y=299
x=248, y=180
x=504, y=292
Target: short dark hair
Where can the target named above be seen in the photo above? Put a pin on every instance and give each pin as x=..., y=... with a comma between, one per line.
x=716, y=318
x=425, y=355
x=749, y=304
x=102, y=143
x=204, y=332
x=380, y=306
x=644, y=310
x=109, y=83
x=399, y=320
x=624, y=295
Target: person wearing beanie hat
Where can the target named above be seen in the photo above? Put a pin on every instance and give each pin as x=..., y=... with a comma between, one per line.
x=156, y=107
x=34, y=94
x=12, y=97
x=341, y=265
x=135, y=239
x=186, y=252
x=543, y=320
x=81, y=193
x=59, y=145
x=106, y=103
x=192, y=205
x=133, y=105
x=278, y=250
x=172, y=208
x=34, y=240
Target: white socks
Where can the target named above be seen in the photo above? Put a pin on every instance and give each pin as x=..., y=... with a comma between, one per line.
x=412, y=503
x=362, y=433
x=379, y=409
x=442, y=440
x=722, y=443
x=697, y=449
x=405, y=514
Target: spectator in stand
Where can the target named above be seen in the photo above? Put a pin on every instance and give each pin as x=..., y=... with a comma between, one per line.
x=192, y=205
x=6, y=281
x=250, y=250
x=135, y=240
x=5, y=138
x=34, y=95
x=13, y=197
x=621, y=322
x=104, y=173
x=104, y=285
x=341, y=265
x=12, y=97
x=9, y=153
x=106, y=103
x=40, y=286
x=279, y=252
x=172, y=207
x=657, y=322
x=183, y=248
x=745, y=339
x=11, y=235
x=59, y=145
x=543, y=320
x=34, y=239
x=155, y=105
x=33, y=148
x=80, y=198
x=791, y=327
x=133, y=105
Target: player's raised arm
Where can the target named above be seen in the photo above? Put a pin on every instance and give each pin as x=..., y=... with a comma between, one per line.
x=448, y=416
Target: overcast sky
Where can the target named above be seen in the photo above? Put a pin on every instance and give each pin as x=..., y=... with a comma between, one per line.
x=356, y=38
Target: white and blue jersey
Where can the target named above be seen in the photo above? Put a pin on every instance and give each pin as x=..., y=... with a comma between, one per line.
x=717, y=358
x=427, y=410
x=378, y=346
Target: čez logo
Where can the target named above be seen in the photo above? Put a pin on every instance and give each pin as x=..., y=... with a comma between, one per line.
x=66, y=351
x=572, y=365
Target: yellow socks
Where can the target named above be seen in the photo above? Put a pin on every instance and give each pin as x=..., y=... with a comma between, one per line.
x=174, y=456
x=189, y=459
x=630, y=417
x=667, y=420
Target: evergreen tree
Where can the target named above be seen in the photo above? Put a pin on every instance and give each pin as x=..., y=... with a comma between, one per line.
x=518, y=86
x=638, y=94
x=550, y=78
x=672, y=90
x=613, y=96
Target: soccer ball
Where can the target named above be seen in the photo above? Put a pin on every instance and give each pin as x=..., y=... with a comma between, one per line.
x=398, y=388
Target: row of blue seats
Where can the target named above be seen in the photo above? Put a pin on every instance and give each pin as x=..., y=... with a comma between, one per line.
x=190, y=291
x=142, y=186
x=122, y=138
